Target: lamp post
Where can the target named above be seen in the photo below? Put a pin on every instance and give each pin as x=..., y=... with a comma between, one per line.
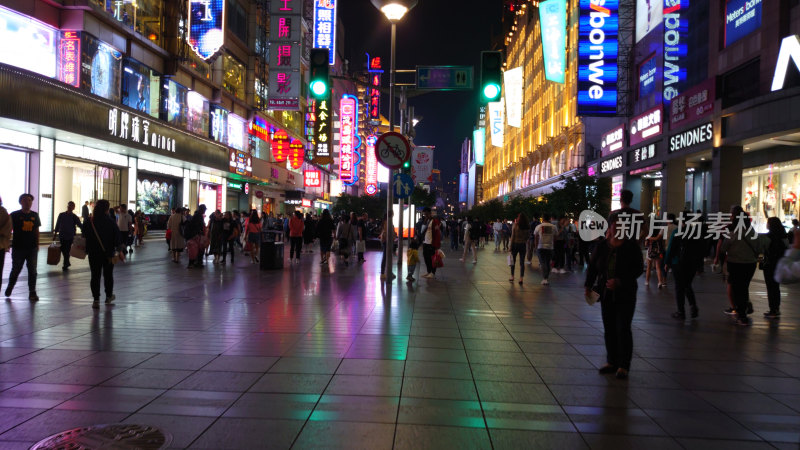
x=394, y=10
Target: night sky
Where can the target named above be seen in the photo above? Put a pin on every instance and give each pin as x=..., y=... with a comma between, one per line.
x=435, y=32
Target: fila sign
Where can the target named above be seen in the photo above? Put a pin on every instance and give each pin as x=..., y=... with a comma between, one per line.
x=790, y=50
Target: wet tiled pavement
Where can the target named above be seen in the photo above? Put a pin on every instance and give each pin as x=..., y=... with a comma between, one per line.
x=308, y=357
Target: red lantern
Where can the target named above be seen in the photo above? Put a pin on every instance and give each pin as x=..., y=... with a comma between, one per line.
x=280, y=146
x=296, y=154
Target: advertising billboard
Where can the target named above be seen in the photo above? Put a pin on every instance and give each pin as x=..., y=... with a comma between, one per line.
x=553, y=18
x=676, y=34
x=649, y=13
x=697, y=102
x=496, y=122
x=646, y=126
x=240, y=162
x=371, y=169
x=140, y=87
x=598, y=48
x=513, y=89
x=348, y=128
x=422, y=164
x=197, y=109
x=647, y=77
x=236, y=134
x=219, y=124
x=742, y=17
x=27, y=43
x=206, y=26
x=463, y=179
x=325, y=26
x=101, y=68
x=479, y=145
x=284, y=55
x=613, y=141
x=174, y=100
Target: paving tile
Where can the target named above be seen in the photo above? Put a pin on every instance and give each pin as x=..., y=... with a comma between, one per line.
x=291, y=383
x=177, y=361
x=112, y=399
x=148, y=378
x=505, y=392
x=616, y=442
x=722, y=444
x=9, y=353
x=364, y=385
x=545, y=440
x=191, y=403
x=10, y=417
x=434, y=369
x=241, y=363
x=53, y=421
x=306, y=365
x=248, y=433
x=436, y=354
x=377, y=367
x=609, y=397
x=219, y=381
x=113, y=359
x=79, y=375
x=356, y=408
x=772, y=427
x=498, y=358
x=525, y=416
x=273, y=406
x=696, y=424
x=184, y=429
x=37, y=395
x=628, y=421
x=424, y=411
x=437, y=437
x=440, y=388
x=345, y=435
x=516, y=374
x=50, y=356
x=744, y=403
x=23, y=372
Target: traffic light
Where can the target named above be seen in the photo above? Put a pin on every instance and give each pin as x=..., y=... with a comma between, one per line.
x=319, y=82
x=491, y=75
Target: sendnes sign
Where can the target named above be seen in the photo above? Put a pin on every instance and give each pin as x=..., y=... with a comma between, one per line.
x=598, y=48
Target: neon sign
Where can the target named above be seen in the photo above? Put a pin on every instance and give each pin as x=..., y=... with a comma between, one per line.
x=790, y=50
x=296, y=153
x=371, y=185
x=646, y=126
x=69, y=52
x=312, y=178
x=375, y=98
x=479, y=145
x=553, y=16
x=206, y=26
x=496, y=123
x=742, y=17
x=348, y=127
x=675, y=51
x=258, y=128
x=284, y=56
x=325, y=27
x=612, y=141
x=598, y=49
x=280, y=146
x=322, y=133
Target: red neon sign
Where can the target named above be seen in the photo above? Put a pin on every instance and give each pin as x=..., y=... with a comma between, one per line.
x=375, y=98
x=280, y=146
x=69, y=54
x=312, y=178
x=296, y=153
x=347, y=112
x=305, y=203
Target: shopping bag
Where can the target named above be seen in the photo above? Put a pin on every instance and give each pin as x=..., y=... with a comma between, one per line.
x=78, y=249
x=335, y=246
x=361, y=246
x=509, y=260
x=53, y=254
x=437, y=260
x=193, y=247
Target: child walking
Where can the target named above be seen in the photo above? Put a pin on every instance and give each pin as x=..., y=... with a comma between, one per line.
x=412, y=257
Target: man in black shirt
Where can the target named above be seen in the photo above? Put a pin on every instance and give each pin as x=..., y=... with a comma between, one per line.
x=362, y=237
x=65, y=228
x=24, y=245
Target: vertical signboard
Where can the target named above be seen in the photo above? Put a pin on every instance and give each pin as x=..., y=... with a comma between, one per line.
x=676, y=33
x=375, y=70
x=553, y=18
x=322, y=132
x=696, y=103
x=348, y=113
x=479, y=145
x=513, y=88
x=284, y=55
x=462, y=187
x=496, y=122
x=296, y=154
x=206, y=26
x=598, y=47
x=325, y=26
x=69, y=58
x=422, y=164
x=371, y=184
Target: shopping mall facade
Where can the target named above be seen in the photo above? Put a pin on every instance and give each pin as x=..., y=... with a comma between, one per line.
x=104, y=100
x=716, y=115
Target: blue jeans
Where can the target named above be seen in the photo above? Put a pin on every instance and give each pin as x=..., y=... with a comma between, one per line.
x=20, y=256
x=545, y=256
x=496, y=241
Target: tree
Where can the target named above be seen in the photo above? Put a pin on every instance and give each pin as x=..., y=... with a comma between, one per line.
x=577, y=194
x=374, y=206
x=421, y=198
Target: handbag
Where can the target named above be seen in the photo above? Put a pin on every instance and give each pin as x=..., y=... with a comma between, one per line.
x=78, y=249
x=361, y=246
x=114, y=259
x=53, y=254
x=509, y=260
x=335, y=246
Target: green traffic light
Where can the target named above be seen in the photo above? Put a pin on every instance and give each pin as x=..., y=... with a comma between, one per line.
x=318, y=87
x=491, y=91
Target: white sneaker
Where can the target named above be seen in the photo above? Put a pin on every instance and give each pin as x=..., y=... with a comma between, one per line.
x=474, y=261
x=461, y=259
x=528, y=263
x=545, y=282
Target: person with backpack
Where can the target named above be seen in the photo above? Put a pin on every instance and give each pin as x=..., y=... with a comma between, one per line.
x=684, y=255
x=777, y=244
x=345, y=237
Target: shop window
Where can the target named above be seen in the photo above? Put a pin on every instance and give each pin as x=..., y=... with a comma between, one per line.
x=772, y=191
x=233, y=77
x=142, y=16
x=237, y=20
x=140, y=87
x=14, y=173
x=155, y=195
x=741, y=84
x=174, y=108
x=81, y=181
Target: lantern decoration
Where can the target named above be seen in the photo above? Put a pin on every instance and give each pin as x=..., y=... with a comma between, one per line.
x=280, y=146
x=296, y=154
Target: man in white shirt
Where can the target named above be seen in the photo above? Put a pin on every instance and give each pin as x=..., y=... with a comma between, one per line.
x=498, y=229
x=125, y=224
x=545, y=235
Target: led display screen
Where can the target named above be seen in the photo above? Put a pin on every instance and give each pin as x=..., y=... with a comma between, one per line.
x=140, y=87
x=101, y=68
x=219, y=124
x=206, y=19
x=479, y=145
x=598, y=47
x=647, y=77
x=28, y=44
x=197, y=110
x=325, y=26
x=676, y=34
x=742, y=17
x=649, y=14
x=174, y=100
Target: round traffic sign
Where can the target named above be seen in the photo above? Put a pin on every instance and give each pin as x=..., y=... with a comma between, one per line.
x=392, y=150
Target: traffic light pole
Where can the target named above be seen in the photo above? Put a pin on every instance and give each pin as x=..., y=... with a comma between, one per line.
x=390, y=242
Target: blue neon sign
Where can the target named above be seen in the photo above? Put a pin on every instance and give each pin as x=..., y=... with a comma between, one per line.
x=742, y=17
x=479, y=145
x=647, y=77
x=598, y=47
x=676, y=32
x=325, y=26
x=206, y=26
x=553, y=17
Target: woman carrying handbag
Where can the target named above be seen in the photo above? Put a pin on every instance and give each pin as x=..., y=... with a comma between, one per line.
x=103, y=246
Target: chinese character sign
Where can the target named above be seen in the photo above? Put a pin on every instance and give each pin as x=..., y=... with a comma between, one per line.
x=206, y=23
x=322, y=133
x=348, y=113
x=280, y=146
x=69, y=52
x=258, y=128
x=296, y=154
x=284, y=55
x=553, y=16
x=325, y=26
x=371, y=185
x=375, y=97
x=312, y=178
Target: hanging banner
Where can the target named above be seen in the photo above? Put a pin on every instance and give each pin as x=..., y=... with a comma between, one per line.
x=280, y=146
x=284, y=56
x=371, y=184
x=598, y=48
x=348, y=127
x=513, y=89
x=296, y=153
x=676, y=34
x=322, y=133
x=553, y=17
x=206, y=26
x=422, y=164
x=496, y=124
x=479, y=145
x=325, y=27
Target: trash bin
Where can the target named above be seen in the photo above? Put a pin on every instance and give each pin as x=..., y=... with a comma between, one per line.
x=271, y=254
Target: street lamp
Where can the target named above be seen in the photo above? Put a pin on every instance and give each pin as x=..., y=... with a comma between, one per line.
x=394, y=10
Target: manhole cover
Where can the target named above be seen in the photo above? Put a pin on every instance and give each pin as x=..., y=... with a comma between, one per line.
x=114, y=436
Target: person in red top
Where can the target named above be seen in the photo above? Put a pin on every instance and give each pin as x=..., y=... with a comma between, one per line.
x=296, y=227
x=431, y=242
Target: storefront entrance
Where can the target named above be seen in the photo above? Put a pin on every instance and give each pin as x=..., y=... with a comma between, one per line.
x=81, y=181
x=14, y=173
